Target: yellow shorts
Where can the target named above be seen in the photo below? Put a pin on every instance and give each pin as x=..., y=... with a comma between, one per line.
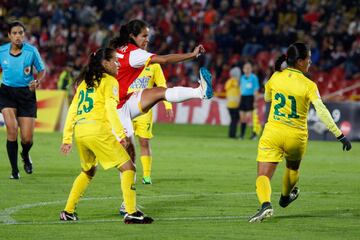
x=143, y=125
x=278, y=142
x=103, y=149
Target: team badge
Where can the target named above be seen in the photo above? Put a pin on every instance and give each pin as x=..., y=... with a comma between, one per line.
x=27, y=70
x=115, y=91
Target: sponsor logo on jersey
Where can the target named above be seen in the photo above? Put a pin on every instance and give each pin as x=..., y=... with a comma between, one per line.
x=140, y=83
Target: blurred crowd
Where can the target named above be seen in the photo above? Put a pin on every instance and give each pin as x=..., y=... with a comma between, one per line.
x=232, y=31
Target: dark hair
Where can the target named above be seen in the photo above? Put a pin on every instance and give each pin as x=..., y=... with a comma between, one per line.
x=133, y=27
x=295, y=52
x=15, y=24
x=94, y=70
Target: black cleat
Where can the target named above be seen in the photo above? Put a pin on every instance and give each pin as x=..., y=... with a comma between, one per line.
x=27, y=163
x=137, y=218
x=15, y=176
x=266, y=211
x=122, y=210
x=284, y=201
x=65, y=216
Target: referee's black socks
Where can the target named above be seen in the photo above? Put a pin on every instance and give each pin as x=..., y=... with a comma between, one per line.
x=25, y=149
x=12, y=151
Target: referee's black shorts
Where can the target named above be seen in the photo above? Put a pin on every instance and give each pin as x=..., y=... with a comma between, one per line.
x=20, y=98
x=247, y=103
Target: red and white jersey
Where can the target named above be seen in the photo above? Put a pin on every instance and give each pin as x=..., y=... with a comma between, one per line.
x=132, y=60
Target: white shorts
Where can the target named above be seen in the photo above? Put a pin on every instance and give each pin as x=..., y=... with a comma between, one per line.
x=130, y=110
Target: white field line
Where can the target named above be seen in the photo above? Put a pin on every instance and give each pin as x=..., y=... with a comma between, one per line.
x=5, y=215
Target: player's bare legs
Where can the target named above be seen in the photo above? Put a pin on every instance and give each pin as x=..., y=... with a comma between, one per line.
x=11, y=124
x=27, y=125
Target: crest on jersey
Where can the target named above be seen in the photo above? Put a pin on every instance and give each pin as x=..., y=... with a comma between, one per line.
x=115, y=91
x=27, y=70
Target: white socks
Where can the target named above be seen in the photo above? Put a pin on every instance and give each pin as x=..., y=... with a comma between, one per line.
x=181, y=94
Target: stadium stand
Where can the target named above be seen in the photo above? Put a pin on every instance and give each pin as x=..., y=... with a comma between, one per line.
x=232, y=31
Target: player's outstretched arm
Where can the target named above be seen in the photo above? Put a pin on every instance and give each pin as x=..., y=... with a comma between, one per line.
x=326, y=118
x=178, y=57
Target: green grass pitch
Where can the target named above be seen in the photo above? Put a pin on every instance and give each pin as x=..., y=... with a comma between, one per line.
x=203, y=188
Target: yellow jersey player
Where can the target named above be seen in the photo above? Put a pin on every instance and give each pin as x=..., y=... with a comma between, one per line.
x=150, y=76
x=285, y=134
x=93, y=119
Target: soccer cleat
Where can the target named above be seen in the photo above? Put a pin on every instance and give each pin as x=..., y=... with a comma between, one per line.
x=137, y=217
x=266, y=211
x=122, y=210
x=27, y=163
x=146, y=180
x=284, y=201
x=253, y=136
x=206, y=83
x=65, y=216
x=15, y=176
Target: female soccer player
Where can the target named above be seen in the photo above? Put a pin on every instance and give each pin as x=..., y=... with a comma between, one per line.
x=131, y=47
x=150, y=76
x=132, y=56
x=285, y=135
x=17, y=94
x=93, y=118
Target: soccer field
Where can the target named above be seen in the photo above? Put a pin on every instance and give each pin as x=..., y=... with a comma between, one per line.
x=203, y=188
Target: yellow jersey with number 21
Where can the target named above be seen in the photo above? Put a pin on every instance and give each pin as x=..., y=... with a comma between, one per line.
x=290, y=93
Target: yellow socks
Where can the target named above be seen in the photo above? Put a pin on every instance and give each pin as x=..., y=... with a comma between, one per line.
x=128, y=189
x=79, y=186
x=263, y=189
x=146, y=164
x=290, y=179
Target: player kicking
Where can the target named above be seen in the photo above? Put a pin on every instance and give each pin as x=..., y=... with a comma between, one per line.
x=285, y=135
x=133, y=58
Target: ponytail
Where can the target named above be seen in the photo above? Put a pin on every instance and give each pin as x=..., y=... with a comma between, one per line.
x=133, y=27
x=122, y=39
x=279, y=62
x=94, y=70
x=295, y=52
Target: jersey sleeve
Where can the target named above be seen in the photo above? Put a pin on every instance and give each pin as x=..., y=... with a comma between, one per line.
x=139, y=58
x=111, y=92
x=313, y=92
x=267, y=94
x=70, y=121
x=325, y=117
x=160, y=81
x=38, y=63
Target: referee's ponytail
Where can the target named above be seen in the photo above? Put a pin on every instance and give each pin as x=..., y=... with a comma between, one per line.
x=94, y=70
x=134, y=27
x=295, y=52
